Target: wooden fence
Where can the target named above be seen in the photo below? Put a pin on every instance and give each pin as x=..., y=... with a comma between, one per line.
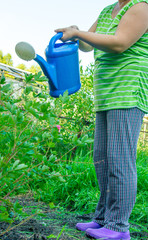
x=12, y=73
x=144, y=130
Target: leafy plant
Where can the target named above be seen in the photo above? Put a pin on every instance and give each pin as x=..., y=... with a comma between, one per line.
x=31, y=142
x=46, y=148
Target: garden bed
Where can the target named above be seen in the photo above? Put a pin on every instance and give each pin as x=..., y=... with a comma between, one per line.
x=49, y=223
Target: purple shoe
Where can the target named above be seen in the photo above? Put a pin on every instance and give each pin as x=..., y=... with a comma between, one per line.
x=107, y=234
x=84, y=226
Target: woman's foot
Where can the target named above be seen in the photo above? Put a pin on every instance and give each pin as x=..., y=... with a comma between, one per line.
x=107, y=234
x=84, y=226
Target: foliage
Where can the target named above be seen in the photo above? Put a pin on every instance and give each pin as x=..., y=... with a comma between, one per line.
x=21, y=66
x=54, y=164
x=6, y=59
x=33, y=69
x=30, y=142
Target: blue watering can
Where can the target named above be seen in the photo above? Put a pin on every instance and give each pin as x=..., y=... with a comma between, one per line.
x=62, y=66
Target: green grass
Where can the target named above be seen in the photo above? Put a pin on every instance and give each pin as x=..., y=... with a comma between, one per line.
x=75, y=186
x=140, y=210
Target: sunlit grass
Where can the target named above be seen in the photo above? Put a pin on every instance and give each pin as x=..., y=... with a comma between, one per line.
x=78, y=190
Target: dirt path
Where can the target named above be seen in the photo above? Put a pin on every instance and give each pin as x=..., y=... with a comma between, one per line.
x=52, y=224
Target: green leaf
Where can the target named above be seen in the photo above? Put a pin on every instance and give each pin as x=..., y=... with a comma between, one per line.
x=20, y=117
x=38, y=75
x=62, y=179
x=17, y=207
x=39, y=78
x=75, y=139
x=21, y=166
x=51, y=236
x=4, y=217
x=3, y=209
x=51, y=205
x=45, y=168
x=42, y=95
x=61, y=232
x=2, y=108
x=33, y=112
x=8, y=105
x=52, y=158
x=65, y=97
x=6, y=87
x=84, y=138
x=28, y=89
x=69, y=167
x=51, y=120
x=51, y=144
x=28, y=78
x=2, y=79
x=30, y=152
x=13, y=109
x=15, y=164
x=44, y=107
x=89, y=140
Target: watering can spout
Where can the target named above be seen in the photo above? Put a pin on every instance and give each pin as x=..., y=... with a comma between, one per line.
x=49, y=71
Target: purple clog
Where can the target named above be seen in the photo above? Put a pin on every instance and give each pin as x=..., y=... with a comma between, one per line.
x=107, y=234
x=84, y=226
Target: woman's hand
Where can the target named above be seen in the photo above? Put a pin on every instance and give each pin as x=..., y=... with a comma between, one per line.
x=69, y=33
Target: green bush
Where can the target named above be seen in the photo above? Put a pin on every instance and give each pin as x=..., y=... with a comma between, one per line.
x=31, y=144
x=54, y=164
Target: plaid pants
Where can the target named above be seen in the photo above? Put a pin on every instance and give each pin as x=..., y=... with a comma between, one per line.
x=115, y=148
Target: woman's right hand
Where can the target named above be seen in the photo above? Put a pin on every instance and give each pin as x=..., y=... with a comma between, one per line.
x=69, y=33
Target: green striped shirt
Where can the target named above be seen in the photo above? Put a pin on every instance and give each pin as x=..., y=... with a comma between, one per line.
x=120, y=80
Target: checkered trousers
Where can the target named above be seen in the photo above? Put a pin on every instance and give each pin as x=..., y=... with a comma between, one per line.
x=115, y=147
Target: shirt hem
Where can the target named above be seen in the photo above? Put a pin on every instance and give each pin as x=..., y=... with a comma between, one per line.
x=107, y=108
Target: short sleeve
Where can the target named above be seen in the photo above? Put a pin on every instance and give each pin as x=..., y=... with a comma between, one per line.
x=127, y=7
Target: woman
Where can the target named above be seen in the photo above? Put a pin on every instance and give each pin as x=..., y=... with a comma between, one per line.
x=120, y=41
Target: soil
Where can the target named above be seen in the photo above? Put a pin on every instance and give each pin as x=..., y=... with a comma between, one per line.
x=51, y=224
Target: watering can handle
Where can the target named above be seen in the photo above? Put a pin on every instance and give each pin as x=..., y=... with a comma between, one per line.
x=54, y=39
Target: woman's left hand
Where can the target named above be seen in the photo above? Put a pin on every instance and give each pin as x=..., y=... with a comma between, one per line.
x=69, y=33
